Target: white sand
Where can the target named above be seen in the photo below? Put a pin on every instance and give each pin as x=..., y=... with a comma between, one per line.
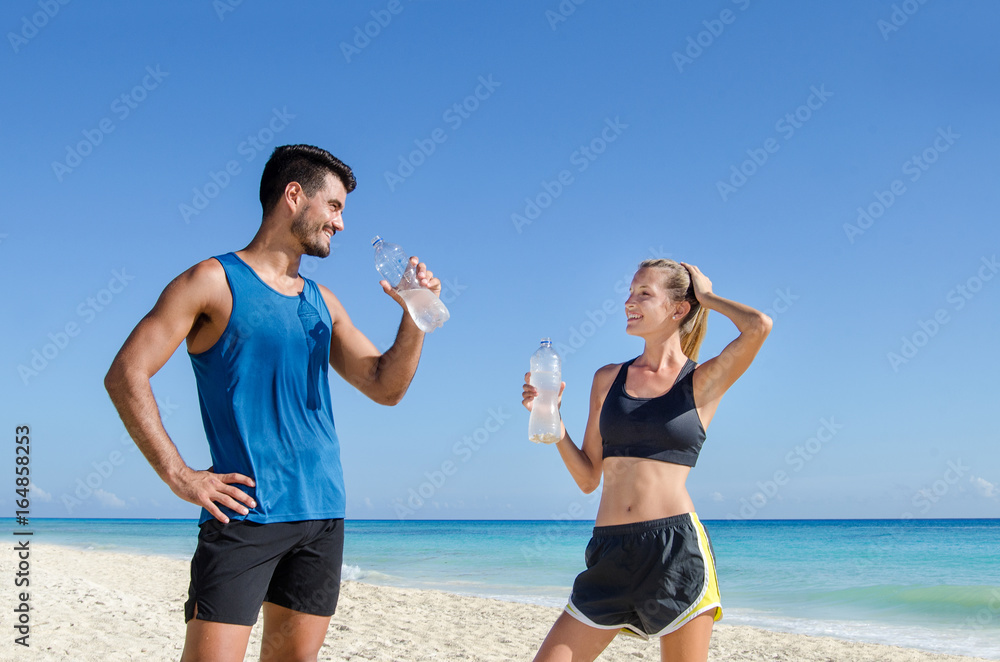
x=90, y=605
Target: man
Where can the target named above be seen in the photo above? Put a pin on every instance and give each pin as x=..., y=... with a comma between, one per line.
x=260, y=338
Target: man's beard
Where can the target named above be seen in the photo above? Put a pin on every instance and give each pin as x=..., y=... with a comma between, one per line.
x=310, y=237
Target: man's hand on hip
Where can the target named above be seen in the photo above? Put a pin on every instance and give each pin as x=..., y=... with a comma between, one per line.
x=204, y=488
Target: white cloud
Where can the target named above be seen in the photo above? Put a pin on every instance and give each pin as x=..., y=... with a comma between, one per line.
x=984, y=487
x=38, y=494
x=108, y=499
x=717, y=497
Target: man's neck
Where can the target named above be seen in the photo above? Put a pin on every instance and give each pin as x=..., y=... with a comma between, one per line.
x=271, y=258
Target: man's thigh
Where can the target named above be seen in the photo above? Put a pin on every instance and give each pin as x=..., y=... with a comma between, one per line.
x=291, y=635
x=215, y=642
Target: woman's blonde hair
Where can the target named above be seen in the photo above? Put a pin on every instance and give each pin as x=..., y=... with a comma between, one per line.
x=677, y=283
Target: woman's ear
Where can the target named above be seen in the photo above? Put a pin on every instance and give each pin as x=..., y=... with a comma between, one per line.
x=681, y=310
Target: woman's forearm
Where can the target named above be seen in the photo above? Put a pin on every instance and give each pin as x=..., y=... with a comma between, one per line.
x=744, y=317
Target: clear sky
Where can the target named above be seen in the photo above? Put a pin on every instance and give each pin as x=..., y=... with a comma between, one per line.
x=831, y=163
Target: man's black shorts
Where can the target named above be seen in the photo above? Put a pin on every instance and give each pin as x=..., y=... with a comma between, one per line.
x=238, y=566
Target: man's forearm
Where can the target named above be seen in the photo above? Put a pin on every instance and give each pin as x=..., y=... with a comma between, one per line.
x=133, y=398
x=398, y=364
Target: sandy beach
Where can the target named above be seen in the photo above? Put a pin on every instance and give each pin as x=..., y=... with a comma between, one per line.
x=93, y=605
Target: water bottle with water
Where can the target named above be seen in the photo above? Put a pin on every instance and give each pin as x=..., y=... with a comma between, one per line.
x=546, y=376
x=425, y=307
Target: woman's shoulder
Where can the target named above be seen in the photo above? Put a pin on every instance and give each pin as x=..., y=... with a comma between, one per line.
x=605, y=376
x=610, y=370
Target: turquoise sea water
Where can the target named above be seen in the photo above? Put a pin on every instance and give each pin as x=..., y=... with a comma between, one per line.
x=929, y=584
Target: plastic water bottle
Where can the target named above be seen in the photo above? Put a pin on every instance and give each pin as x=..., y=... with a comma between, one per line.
x=425, y=307
x=546, y=376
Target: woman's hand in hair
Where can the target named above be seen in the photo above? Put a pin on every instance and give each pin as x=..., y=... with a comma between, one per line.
x=702, y=285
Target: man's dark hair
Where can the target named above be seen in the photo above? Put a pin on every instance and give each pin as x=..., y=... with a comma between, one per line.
x=304, y=164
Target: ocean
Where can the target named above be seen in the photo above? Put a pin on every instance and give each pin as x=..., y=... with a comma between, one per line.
x=927, y=584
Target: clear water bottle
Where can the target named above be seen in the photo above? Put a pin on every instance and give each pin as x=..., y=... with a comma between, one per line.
x=546, y=376
x=425, y=307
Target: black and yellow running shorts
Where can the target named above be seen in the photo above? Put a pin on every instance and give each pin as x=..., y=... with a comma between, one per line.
x=647, y=578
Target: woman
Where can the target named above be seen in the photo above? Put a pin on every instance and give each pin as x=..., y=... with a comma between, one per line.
x=650, y=566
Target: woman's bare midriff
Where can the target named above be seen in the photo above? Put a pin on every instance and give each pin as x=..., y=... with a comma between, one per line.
x=639, y=489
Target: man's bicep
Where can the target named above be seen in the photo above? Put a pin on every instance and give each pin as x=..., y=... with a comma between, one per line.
x=157, y=335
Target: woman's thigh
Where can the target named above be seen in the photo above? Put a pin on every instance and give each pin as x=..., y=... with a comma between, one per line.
x=689, y=643
x=569, y=640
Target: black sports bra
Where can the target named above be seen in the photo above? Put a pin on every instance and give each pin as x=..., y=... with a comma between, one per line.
x=665, y=428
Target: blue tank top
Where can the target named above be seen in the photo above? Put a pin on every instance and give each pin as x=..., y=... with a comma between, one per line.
x=665, y=428
x=265, y=400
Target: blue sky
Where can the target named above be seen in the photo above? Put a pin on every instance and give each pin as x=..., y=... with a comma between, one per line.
x=830, y=163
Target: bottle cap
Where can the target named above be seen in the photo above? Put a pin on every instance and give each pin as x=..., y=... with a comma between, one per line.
x=376, y=240
x=547, y=342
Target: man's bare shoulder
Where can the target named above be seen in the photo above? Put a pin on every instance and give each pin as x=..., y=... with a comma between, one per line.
x=333, y=304
x=201, y=289
x=207, y=275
